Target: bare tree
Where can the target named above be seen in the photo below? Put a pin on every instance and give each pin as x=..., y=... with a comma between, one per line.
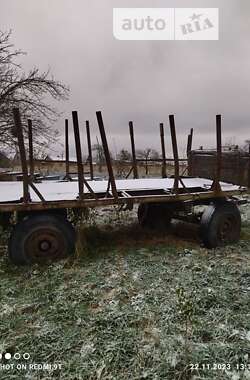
x=27, y=91
x=146, y=155
x=124, y=156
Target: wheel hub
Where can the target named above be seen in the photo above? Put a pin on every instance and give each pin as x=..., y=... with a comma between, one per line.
x=227, y=229
x=45, y=243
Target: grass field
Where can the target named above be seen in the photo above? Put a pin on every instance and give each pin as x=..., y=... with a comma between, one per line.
x=131, y=304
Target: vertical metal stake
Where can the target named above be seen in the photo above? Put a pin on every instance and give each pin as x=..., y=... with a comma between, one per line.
x=216, y=183
x=249, y=168
x=131, y=131
x=31, y=156
x=107, y=154
x=175, y=153
x=190, y=141
x=21, y=146
x=78, y=154
x=67, y=176
x=189, y=150
x=89, y=151
x=163, y=150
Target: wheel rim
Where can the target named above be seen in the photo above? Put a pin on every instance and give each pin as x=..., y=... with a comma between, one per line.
x=227, y=229
x=45, y=243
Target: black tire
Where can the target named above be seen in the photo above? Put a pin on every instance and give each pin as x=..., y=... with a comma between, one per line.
x=59, y=212
x=40, y=238
x=154, y=215
x=5, y=218
x=220, y=225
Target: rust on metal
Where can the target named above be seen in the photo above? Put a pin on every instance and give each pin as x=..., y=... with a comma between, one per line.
x=90, y=159
x=190, y=142
x=177, y=177
x=249, y=167
x=175, y=153
x=36, y=191
x=131, y=132
x=67, y=175
x=216, y=183
x=189, y=150
x=163, y=152
x=107, y=154
x=31, y=156
x=78, y=154
x=130, y=171
x=197, y=196
x=21, y=146
x=188, y=145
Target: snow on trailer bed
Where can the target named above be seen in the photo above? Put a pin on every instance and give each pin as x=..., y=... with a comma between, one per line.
x=63, y=191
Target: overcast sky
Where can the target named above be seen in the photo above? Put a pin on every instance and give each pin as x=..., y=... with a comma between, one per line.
x=143, y=81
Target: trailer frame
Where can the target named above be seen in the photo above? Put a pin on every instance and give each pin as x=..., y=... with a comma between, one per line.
x=153, y=203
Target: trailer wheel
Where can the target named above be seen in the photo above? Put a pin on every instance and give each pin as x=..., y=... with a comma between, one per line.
x=154, y=215
x=41, y=238
x=58, y=212
x=220, y=225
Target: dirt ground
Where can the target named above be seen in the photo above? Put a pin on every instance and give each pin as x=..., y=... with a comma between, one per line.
x=131, y=304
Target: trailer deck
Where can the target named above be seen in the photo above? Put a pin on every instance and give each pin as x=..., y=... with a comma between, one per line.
x=65, y=194
x=63, y=191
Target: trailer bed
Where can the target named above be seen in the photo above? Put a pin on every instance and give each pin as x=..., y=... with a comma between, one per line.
x=68, y=191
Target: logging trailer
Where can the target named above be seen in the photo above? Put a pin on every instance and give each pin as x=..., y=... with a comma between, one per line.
x=42, y=230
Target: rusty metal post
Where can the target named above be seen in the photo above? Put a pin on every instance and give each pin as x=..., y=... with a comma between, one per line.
x=191, y=138
x=175, y=153
x=190, y=141
x=67, y=176
x=107, y=154
x=248, y=185
x=78, y=154
x=89, y=151
x=131, y=132
x=31, y=156
x=21, y=146
x=188, y=144
x=163, y=150
x=189, y=150
x=216, y=183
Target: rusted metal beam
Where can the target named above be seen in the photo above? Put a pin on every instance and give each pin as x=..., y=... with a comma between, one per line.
x=90, y=159
x=36, y=191
x=189, y=149
x=191, y=138
x=131, y=132
x=67, y=175
x=107, y=154
x=31, y=156
x=163, y=152
x=78, y=154
x=21, y=146
x=175, y=153
x=189, y=156
x=188, y=145
x=159, y=160
x=199, y=196
x=130, y=171
x=249, y=167
x=190, y=142
x=216, y=183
